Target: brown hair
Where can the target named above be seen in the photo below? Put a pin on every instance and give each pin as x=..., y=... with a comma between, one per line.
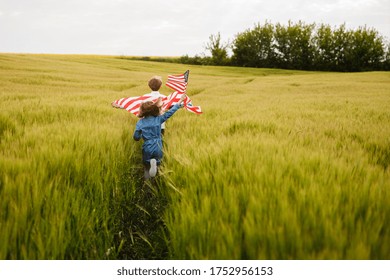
x=155, y=83
x=149, y=108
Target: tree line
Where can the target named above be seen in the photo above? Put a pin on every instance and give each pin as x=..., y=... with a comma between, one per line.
x=299, y=46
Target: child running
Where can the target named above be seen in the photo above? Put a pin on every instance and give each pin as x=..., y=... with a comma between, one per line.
x=149, y=129
x=155, y=84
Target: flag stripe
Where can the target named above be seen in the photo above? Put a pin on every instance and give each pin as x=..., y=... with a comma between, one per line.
x=174, y=98
x=181, y=87
x=176, y=82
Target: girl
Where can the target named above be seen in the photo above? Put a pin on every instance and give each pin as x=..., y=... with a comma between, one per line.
x=149, y=129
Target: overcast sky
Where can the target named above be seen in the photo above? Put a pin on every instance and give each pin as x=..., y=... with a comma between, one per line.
x=165, y=27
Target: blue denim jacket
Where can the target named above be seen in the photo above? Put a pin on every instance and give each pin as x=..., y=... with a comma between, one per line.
x=149, y=129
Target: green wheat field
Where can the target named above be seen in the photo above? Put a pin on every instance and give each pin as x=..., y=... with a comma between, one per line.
x=281, y=164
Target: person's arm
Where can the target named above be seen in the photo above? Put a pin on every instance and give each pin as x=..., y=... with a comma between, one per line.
x=138, y=132
x=171, y=111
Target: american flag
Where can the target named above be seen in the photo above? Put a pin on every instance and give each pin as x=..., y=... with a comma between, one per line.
x=176, y=82
x=130, y=104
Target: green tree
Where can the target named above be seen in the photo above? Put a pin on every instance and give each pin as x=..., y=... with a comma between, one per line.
x=255, y=48
x=219, y=54
x=301, y=46
x=324, y=54
x=367, y=50
x=294, y=45
x=385, y=65
x=343, y=41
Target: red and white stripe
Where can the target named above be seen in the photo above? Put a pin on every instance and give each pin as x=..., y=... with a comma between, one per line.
x=176, y=82
x=132, y=104
x=174, y=98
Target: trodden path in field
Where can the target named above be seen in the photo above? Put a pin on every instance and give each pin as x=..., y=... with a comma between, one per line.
x=139, y=219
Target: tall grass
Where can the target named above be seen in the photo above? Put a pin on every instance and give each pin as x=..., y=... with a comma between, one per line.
x=281, y=165
x=70, y=178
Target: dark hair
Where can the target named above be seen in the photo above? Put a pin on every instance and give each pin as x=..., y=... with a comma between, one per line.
x=155, y=83
x=149, y=108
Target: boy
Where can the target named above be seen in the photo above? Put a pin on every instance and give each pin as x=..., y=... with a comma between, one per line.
x=149, y=129
x=155, y=84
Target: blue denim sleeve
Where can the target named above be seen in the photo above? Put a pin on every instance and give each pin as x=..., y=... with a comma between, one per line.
x=138, y=132
x=169, y=113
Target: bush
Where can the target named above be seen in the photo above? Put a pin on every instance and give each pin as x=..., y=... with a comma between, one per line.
x=302, y=46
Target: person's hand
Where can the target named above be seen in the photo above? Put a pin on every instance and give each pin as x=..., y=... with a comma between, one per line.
x=182, y=98
x=159, y=102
